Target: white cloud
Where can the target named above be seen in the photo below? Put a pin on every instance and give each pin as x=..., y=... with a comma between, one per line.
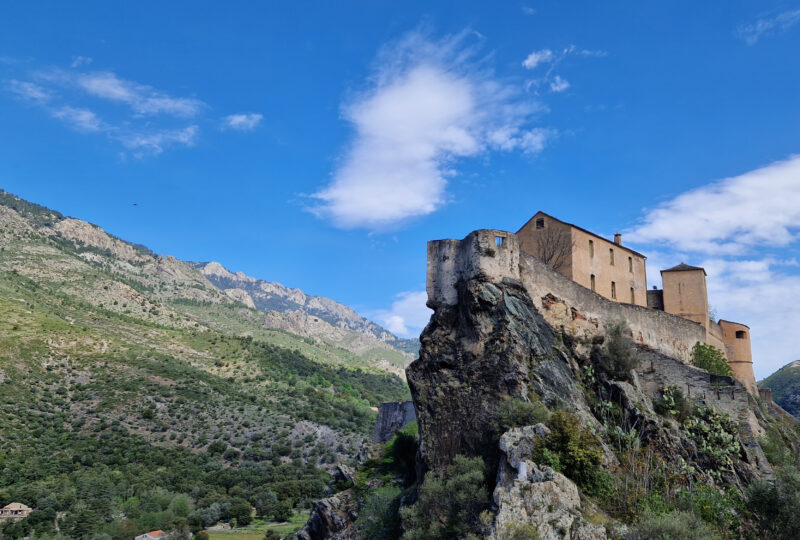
x=78, y=61
x=408, y=314
x=558, y=84
x=538, y=57
x=427, y=105
x=29, y=91
x=79, y=118
x=766, y=26
x=143, y=99
x=743, y=231
x=242, y=121
x=156, y=142
x=528, y=10
x=758, y=208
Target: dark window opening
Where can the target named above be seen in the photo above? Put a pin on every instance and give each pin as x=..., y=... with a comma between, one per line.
x=633, y=296
x=540, y=223
x=611, y=256
x=613, y=290
x=592, y=281
x=591, y=248
x=741, y=334
x=630, y=264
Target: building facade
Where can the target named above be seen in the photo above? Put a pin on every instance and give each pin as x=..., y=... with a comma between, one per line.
x=605, y=267
x=618, y=273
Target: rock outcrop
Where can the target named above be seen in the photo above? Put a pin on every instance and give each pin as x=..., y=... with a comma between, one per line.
x=332, y=518
x=393, y=416
x=531, y=495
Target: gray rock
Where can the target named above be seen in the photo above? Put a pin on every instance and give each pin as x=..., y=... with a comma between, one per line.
x=332, y=519
x=392, y=416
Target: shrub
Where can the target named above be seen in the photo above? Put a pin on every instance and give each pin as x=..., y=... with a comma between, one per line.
x=775, y=504
x=519, y=531
x=574, y=451
x=618, y=357
x=449, y=504
x=379, y=517
x=674, y=403
x=515, y=412
x=711, y=359
x=284, y=511
x=715, y=435
x=400, y=453
x=720, y=508
x=675, y=525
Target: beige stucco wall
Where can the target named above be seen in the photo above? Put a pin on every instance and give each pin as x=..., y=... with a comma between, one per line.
x=685, y=295
x=584, y=265
x=527, y=238
x=740, y=356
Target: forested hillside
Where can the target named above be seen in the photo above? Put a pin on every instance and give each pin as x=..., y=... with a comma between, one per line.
x=136, y=395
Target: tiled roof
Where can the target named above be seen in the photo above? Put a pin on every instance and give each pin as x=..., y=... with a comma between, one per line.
x=683, y=267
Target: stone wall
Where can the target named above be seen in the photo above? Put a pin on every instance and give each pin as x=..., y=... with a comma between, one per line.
x=565, y=304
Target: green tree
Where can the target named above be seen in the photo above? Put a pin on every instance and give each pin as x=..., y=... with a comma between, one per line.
x=449, y=503
x=711, y=359
x=283, y=511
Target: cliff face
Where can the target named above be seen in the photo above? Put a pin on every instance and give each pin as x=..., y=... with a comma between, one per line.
x=499, y=334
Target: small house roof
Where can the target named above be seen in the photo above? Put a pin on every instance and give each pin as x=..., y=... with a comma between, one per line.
x=683, y=267
x=626, y=248
x=16, y=506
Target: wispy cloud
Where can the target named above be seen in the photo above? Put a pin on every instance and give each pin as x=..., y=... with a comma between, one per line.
x=740, y=230
x=536, y=58
x=78, y=118
x=78, y=61
x=242, y=121
x=408, y=314
x=144, y=120
x=528, y=10
x=558, y=84
x=766, y=26
x=427, y=104
x=29, y=91
x=154, y=143
x=141, y=98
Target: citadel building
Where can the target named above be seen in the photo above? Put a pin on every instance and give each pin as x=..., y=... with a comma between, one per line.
x=618, y=273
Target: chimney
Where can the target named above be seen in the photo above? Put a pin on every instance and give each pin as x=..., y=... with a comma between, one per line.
x=618, y=239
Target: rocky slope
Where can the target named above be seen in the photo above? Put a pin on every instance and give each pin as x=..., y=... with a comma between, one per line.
x=785, y=386
x=274, y=297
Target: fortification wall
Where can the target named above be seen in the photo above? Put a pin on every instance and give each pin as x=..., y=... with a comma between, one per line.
x=494, y=255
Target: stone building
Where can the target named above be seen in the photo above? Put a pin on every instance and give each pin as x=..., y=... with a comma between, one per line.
x=607, y=268
x=685, y=294
x=618, y=273
x=14, y=511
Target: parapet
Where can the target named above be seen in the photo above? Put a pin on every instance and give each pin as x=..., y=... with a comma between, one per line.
x=485, y=253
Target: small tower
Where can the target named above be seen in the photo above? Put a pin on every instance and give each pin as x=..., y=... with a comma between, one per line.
x=685, y=293
x=736, y=337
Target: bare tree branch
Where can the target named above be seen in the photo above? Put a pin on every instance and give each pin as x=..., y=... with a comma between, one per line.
x=554, y=247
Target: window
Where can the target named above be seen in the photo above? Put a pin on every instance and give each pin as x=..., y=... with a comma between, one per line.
x=611, y=256
x=741, y=334
x=633, y=297
x=630, y=264
x=591, y=248
x=499, y=240
x=613, y=290
x=592, y=280
x=540, y=223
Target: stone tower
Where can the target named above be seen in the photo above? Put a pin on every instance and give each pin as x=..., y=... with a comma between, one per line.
x=685, y=293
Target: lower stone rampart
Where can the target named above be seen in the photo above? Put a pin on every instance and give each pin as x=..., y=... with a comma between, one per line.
x=565, y=305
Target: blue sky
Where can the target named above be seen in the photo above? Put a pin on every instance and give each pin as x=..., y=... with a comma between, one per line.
x=322, y=144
